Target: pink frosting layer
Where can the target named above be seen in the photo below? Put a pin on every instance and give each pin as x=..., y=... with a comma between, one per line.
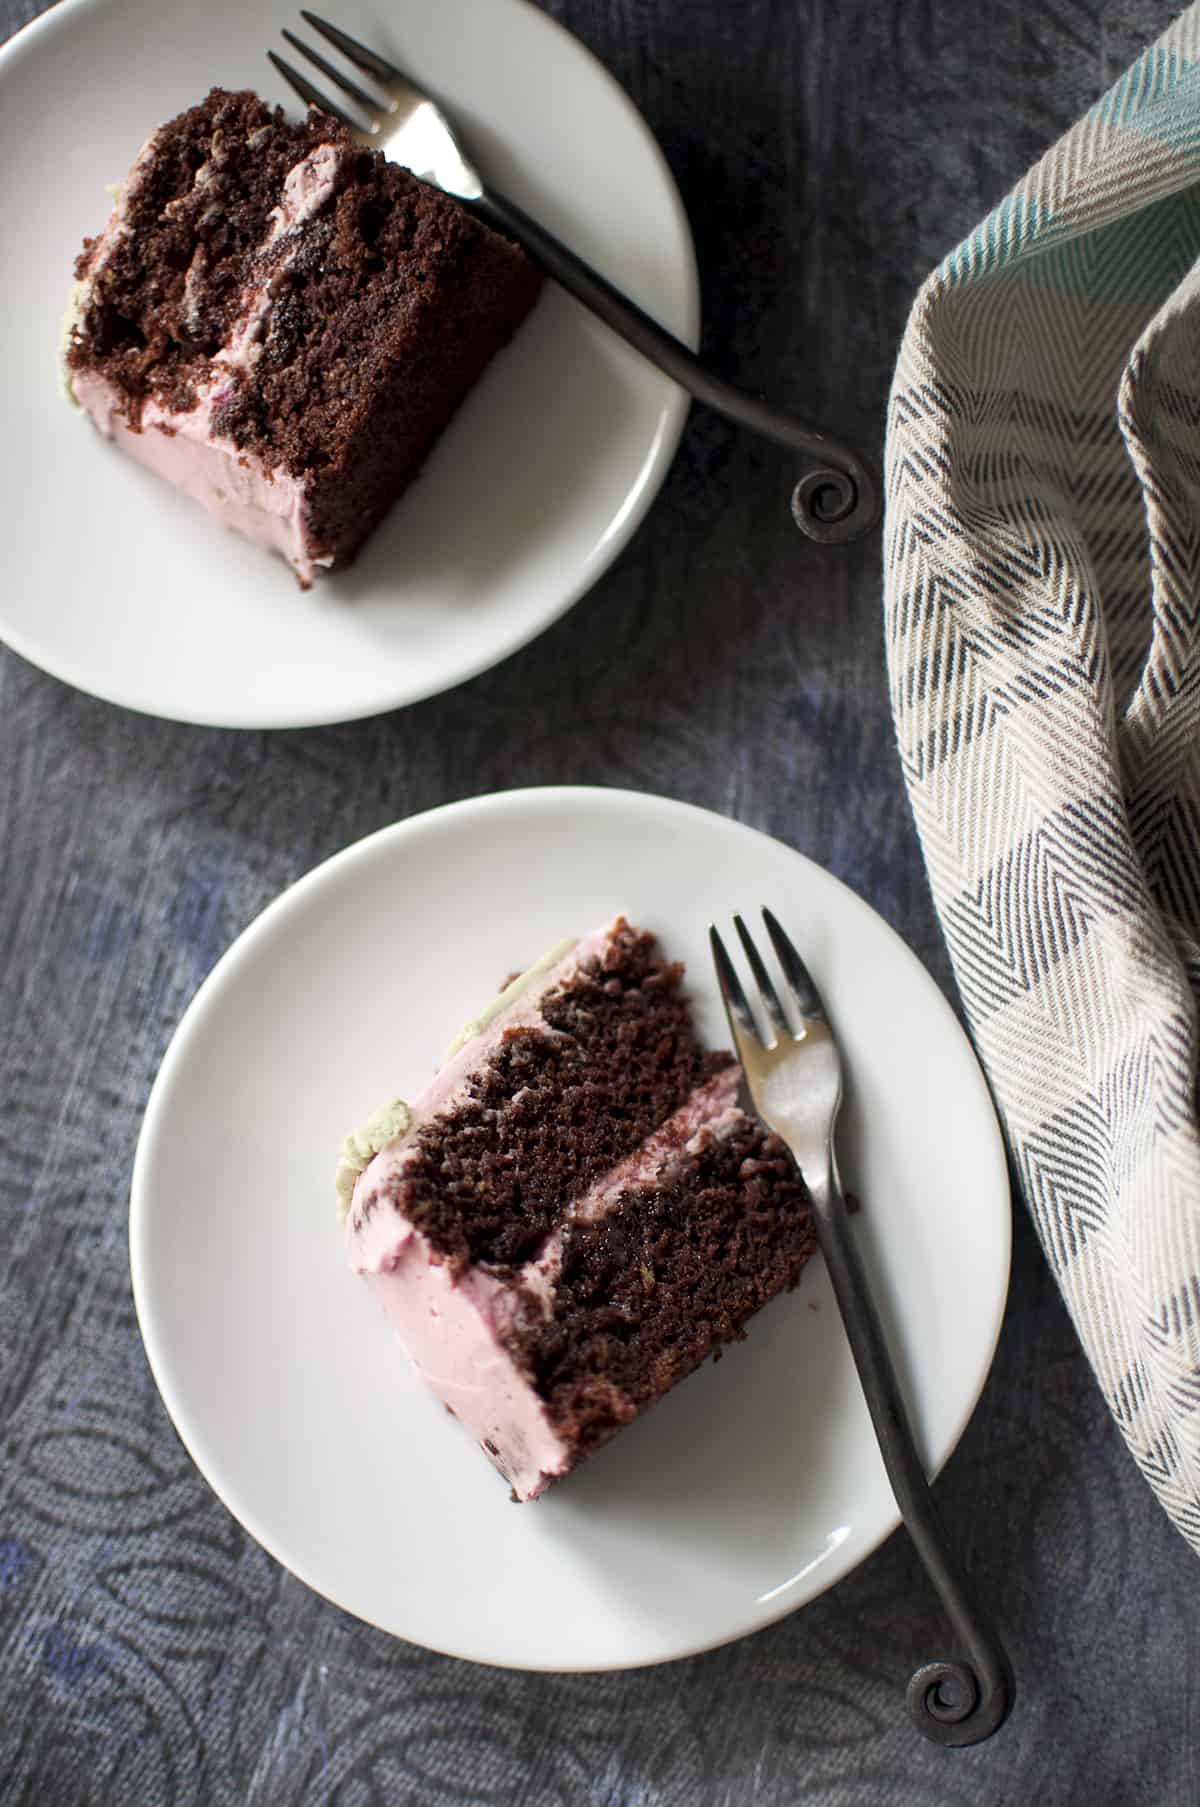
x=451, y=1332
x=268, y=507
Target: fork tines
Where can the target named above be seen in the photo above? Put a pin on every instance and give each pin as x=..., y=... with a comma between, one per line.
x=731, y=986
x=313, y=97
x=762, y=978
x=357, y=53
x=375, y=106
x=804, y=990
x=801, y=991
x=368, y=102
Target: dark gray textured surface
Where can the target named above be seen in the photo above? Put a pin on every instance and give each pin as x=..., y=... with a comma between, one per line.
x=149, y=1652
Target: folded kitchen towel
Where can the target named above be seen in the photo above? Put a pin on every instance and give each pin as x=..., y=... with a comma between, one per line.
x=1043, y=626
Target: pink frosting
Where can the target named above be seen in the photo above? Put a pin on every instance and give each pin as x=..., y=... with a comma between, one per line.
x=306, y=188
x=268, y=507
x=451, y=1331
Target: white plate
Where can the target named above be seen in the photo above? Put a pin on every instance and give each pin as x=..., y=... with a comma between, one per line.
x=130, y=591
x=745, y=1492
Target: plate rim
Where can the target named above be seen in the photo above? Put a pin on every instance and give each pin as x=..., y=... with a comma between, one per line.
x=243, y=947
x=660, y=454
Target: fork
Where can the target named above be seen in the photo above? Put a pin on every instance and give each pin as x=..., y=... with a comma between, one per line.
x=834, y=501
x=795, y=1082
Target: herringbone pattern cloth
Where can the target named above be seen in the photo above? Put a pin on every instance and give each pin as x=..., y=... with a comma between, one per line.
x=1043, y=623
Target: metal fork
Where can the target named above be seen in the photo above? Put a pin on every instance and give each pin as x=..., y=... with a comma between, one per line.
x=834, y=501
x=795, y=1082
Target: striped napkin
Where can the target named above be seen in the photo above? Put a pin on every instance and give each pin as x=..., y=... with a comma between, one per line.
x=1043, y=626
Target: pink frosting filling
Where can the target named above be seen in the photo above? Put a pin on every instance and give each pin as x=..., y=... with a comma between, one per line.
x=712, y=1110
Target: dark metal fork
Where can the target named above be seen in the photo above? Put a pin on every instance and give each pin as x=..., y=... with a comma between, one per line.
x=795, y=1082
x=834, y=501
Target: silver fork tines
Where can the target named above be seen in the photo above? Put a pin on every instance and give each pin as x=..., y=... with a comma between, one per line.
x=367, y=59
x=762, y=978
x=368, y=102
x=313, y=97
x=795, y=1083
x=808, y=998
x=397, y=118
x=795, y=1078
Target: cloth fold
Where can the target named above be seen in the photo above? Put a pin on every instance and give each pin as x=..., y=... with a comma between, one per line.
x=1042, y=574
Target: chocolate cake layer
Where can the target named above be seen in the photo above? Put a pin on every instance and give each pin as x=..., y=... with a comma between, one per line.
x=558, y=1104
x=671, y=1273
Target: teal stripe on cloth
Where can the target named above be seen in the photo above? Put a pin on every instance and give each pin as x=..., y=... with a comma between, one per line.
x=1155, y=103
x=1171, y=118
x=1145, y=82
x=1014, y=227
x=1135, y=262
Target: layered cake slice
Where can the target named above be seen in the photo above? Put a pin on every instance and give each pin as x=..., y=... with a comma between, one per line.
x=576, y=1212
x=281, y=324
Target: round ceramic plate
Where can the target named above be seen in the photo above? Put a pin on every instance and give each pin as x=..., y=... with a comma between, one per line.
x=126, y=589
x=752, y=1486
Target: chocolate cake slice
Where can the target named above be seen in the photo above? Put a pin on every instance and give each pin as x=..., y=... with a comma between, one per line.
x=281, y=323
x=576, y=1212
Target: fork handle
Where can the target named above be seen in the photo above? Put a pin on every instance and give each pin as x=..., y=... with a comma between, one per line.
x=959, y=1702
x=834, y=501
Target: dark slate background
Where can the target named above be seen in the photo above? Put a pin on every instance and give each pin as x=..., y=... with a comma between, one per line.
x=829, y=154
